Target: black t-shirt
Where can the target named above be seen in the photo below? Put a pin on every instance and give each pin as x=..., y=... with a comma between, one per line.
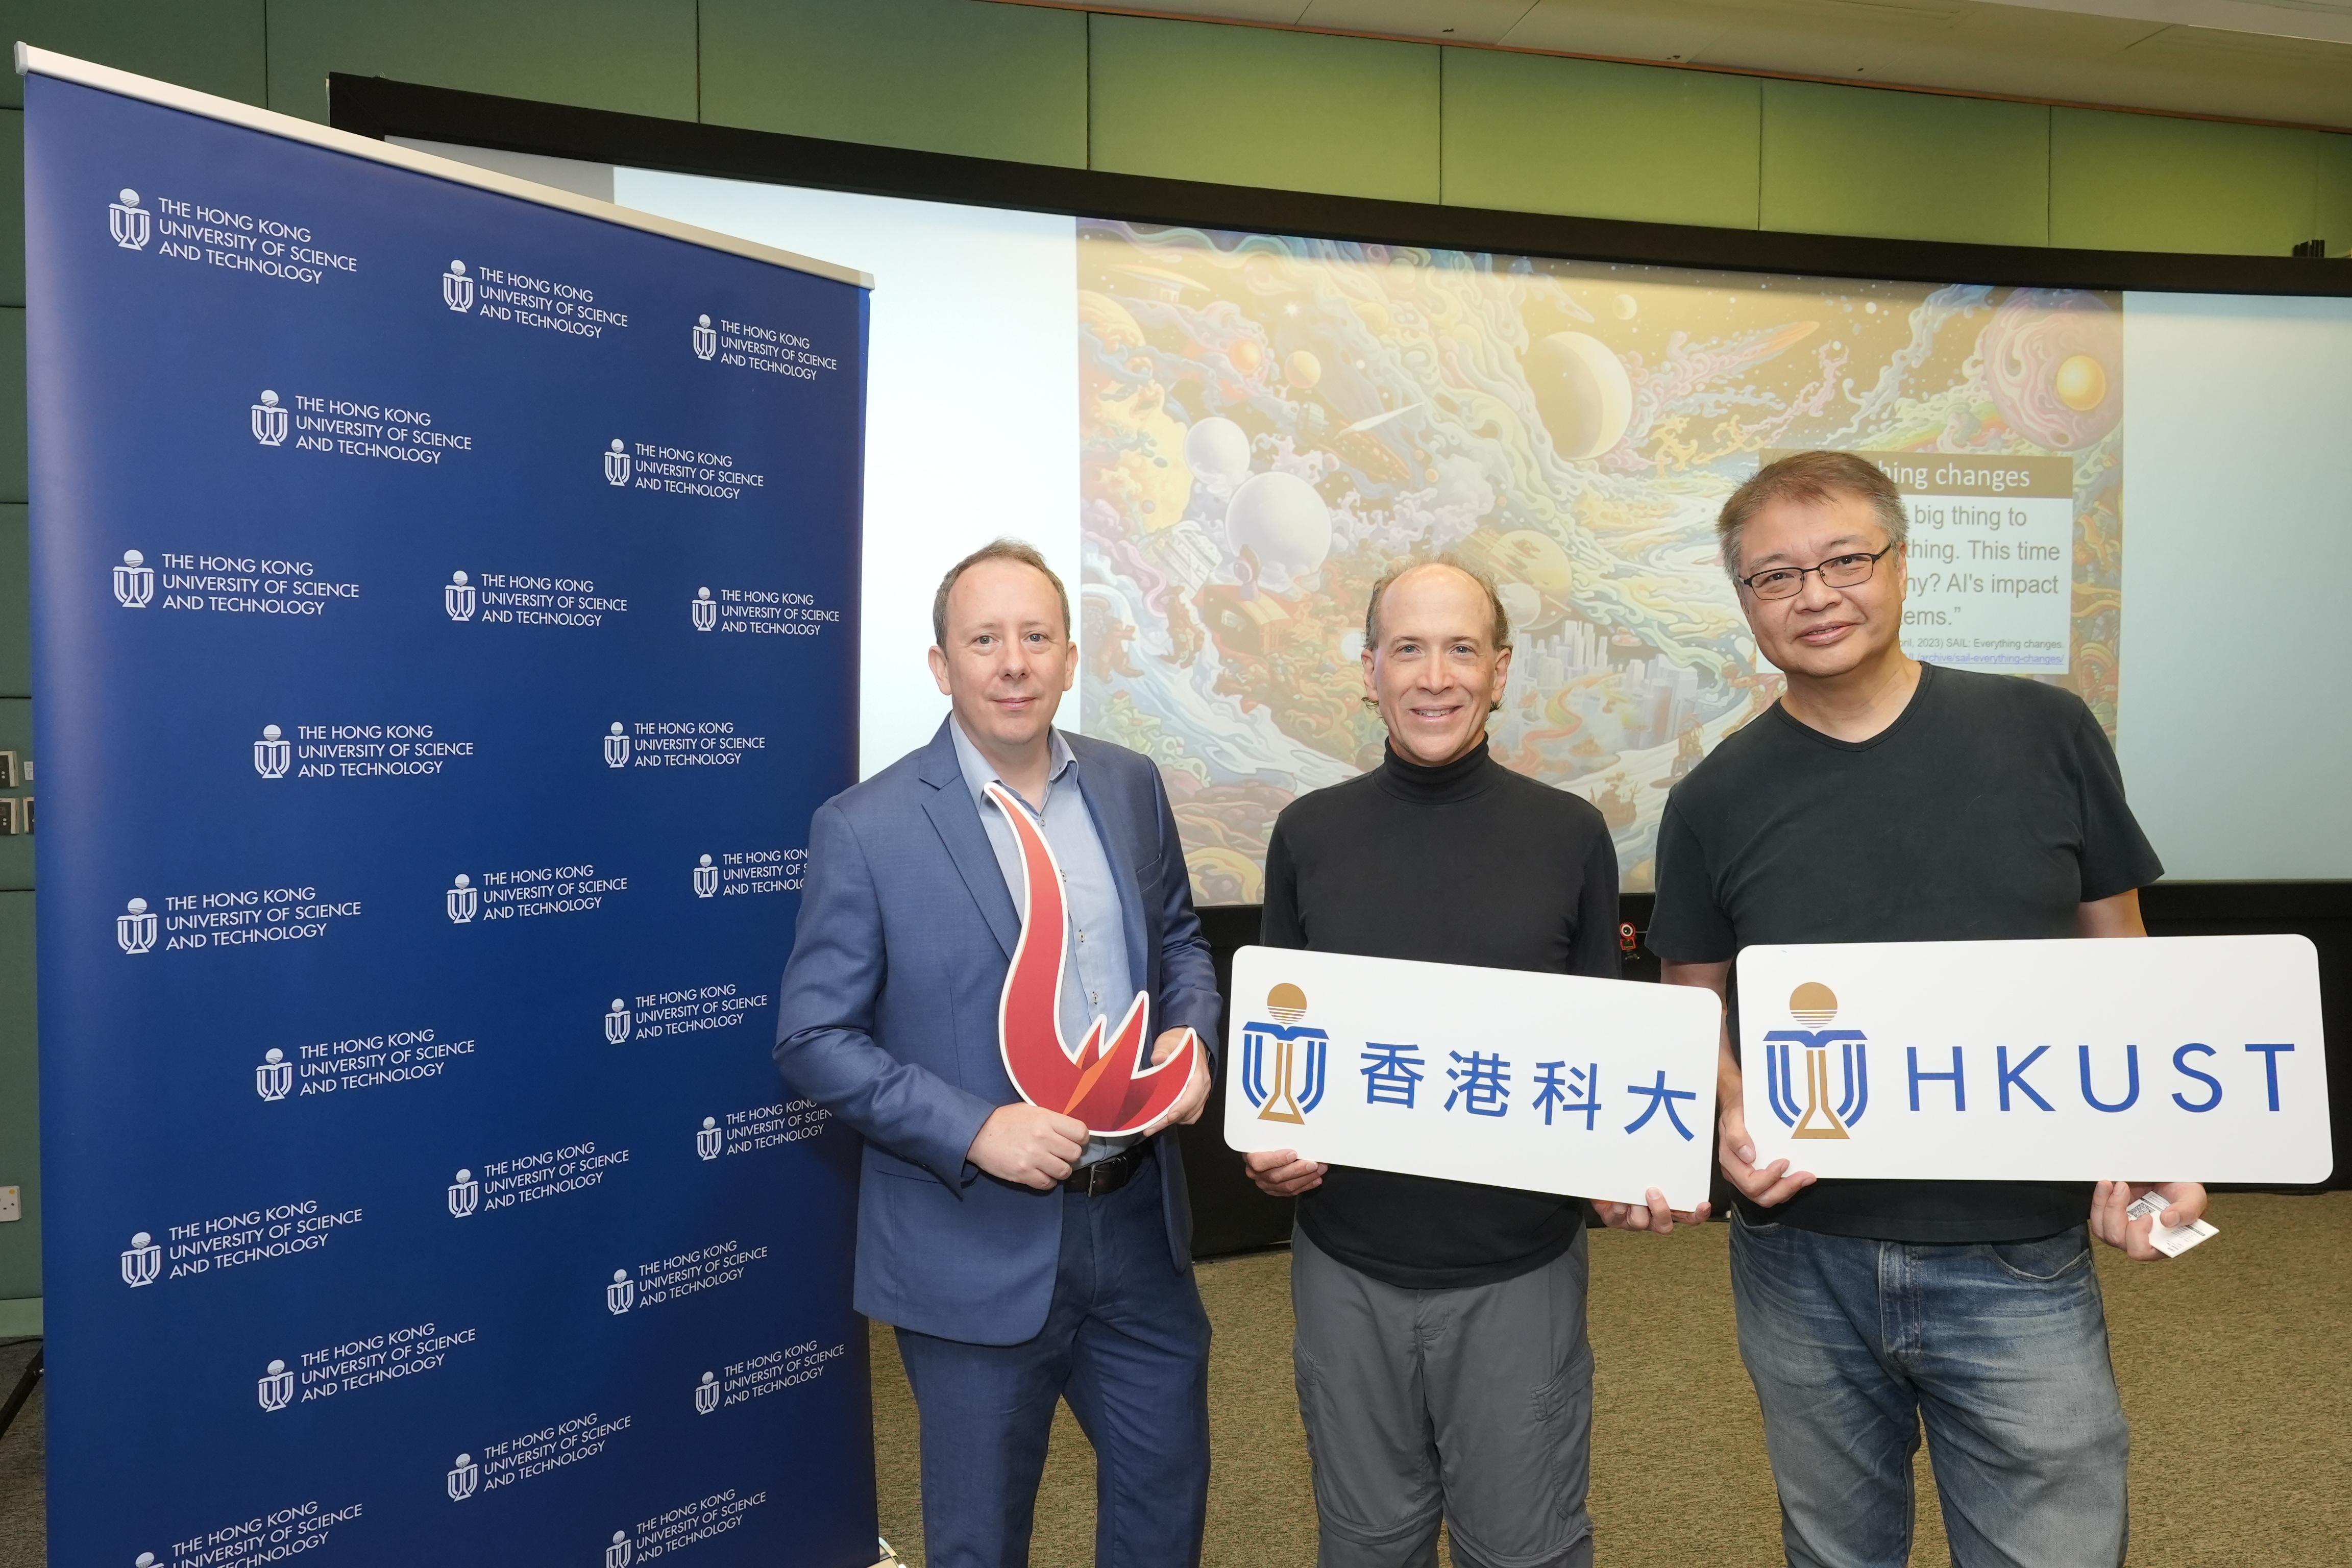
x=1468, y=863
x=1990, y=810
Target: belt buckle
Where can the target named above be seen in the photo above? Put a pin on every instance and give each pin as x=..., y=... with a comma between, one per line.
x=1095, y=1174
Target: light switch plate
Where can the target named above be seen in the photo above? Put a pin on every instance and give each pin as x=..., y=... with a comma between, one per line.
x=11, y=1204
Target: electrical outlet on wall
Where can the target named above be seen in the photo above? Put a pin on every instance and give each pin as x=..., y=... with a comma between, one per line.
x=11, y=1204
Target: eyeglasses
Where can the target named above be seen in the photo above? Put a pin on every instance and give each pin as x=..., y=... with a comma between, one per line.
x=1837, y=571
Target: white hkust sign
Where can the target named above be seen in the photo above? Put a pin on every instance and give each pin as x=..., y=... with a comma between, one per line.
x=1554, y=1083
x=2164, y=1058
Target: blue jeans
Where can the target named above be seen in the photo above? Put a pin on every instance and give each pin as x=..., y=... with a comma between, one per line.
x=1126, y=1342
x=2000, y=1348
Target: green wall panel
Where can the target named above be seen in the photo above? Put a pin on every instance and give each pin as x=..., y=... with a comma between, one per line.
x=1247, y=106
x=2331, y=216
x=12, y=207
x=1531, y=134
x=941, y=76
x=1903, y=166
x=214, y=45
x=636, y=56
x=15, y=603
x=12, y=405
x=2141, y=182
x=20, y=1126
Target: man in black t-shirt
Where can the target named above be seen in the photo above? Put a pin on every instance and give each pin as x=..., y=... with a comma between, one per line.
x=1883, y=799
x=1441, y=1361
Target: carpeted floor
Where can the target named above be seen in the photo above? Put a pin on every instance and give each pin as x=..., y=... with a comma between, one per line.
x=2235, y=1360
x=23, y=1526
x=2236, y=1365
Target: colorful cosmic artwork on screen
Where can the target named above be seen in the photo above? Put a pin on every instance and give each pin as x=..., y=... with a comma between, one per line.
x=1268, y=423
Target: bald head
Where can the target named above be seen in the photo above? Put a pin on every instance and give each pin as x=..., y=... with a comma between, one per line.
x=1477, y=582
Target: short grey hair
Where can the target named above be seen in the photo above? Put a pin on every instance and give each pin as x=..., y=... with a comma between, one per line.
x=994, y=550
x=1502, y=624
x=1809, y=477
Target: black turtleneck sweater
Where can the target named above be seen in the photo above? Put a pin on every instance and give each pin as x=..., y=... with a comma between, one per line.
x=1468, y=863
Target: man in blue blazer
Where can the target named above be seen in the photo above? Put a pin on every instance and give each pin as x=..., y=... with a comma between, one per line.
x=1021, y=1260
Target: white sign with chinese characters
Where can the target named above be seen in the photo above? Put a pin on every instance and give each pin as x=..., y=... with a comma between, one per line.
x=2195, y=1058
x=1556, y=1083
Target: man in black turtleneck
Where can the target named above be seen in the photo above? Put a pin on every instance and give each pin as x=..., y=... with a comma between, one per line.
x=1441, y=1354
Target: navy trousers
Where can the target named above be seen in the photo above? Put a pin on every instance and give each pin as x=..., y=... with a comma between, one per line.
x=1126, y=1342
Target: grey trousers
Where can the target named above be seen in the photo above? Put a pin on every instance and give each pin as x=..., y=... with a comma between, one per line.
x=1473, y=1405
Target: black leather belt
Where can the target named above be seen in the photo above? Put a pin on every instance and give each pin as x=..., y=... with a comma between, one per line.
x=1106, y=1176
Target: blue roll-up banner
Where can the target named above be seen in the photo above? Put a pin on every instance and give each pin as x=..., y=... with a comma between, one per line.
x=444, y=624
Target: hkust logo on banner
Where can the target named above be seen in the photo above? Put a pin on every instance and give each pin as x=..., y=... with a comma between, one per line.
x=135, y=929
x=456, y=289
x=128, y=222
x=705, y=611
x=134, y=582
x=616, y=463
x=705, y=336
x=273, y=1080
x=272, y=754
x=274, y=1387
x=269, y=420
x=142, y=1261
x=459, y=597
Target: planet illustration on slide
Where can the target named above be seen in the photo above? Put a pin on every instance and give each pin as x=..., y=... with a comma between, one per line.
x=1279, y=518
x=1269, y=423
x=1219, y=452
x=1582, y=393
x=2080, y=383
x=2047, y=354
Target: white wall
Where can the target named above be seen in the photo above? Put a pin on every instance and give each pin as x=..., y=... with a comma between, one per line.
x=972, y=414
x=2233, y=725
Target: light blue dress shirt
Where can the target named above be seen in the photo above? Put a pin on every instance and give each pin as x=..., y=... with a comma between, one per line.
x=1096, y=981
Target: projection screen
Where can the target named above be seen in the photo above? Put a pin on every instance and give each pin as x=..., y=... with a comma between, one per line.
x=1222, y=438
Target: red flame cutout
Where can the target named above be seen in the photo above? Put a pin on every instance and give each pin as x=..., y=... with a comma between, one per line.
x=1107, y=1085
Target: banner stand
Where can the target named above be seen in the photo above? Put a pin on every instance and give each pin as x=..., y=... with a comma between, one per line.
x=444, y=624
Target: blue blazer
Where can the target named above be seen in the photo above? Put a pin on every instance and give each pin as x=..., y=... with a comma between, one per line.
x=887, y=1016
